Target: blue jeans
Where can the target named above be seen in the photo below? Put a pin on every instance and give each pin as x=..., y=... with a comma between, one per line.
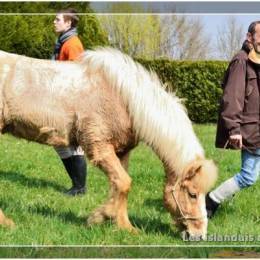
x=250, y=169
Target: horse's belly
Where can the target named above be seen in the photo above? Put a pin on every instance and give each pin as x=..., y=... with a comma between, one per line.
x=43, y=135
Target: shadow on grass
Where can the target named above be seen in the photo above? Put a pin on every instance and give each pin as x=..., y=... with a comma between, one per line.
x=148, y=226
x=155, y=203
x=153, y=226
x=30, y=181
x=67, y=217
x=45, y=211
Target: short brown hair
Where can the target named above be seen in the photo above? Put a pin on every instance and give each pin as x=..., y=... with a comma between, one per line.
x=70, y=14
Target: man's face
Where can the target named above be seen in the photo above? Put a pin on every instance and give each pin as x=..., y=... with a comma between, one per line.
x=60, y=25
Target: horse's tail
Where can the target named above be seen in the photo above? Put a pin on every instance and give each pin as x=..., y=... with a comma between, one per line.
x=151, y=108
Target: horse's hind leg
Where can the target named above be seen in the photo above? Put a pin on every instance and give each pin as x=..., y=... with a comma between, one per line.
x=120, y=183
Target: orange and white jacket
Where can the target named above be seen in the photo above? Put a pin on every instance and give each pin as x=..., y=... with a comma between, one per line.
x=71, y=49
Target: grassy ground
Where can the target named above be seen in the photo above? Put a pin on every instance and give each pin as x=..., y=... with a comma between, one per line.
x=32, y=180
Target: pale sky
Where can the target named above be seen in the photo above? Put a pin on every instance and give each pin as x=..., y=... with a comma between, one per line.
x=215, y=22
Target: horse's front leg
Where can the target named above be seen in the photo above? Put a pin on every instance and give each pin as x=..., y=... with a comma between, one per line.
x=120, y=183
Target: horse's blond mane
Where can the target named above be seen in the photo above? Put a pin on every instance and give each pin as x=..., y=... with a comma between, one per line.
x=158, y=117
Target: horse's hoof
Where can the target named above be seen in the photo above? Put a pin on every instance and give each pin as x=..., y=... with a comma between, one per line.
x=96, y=218
x=134, y=230
x=128, y=227
x=9, y=223
x=6, y=222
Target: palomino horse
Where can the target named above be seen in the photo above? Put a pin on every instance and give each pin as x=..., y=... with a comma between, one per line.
x=106, y=103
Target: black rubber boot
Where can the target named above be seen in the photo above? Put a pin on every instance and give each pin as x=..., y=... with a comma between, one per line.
x=76, y=167
x=211, y=206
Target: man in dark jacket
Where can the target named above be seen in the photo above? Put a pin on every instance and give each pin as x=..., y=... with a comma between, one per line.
x=238, y=124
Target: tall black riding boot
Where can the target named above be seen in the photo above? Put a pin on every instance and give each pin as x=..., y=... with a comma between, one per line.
x=76, y=167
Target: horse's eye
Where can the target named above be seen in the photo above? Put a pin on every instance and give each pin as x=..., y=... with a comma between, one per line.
x=193, y=195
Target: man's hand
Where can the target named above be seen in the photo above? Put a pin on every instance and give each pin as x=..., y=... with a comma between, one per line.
x=236, y=141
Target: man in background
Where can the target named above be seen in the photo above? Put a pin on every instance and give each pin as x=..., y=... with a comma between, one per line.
x=68, y=48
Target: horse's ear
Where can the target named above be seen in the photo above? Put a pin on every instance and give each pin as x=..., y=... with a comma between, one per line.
x=206, y=173
x=193, y=169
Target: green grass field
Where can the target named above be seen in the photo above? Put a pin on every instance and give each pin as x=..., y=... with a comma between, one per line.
x=32, y=181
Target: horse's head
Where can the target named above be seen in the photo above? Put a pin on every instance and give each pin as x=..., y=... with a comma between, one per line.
x=184, y=197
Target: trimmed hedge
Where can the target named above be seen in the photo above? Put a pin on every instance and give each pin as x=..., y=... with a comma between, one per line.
x=197, y=82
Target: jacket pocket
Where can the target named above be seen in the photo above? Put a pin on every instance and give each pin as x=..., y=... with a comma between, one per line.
x=248, y=117
x=251, y=81
x=250, y=132
x=250, y=126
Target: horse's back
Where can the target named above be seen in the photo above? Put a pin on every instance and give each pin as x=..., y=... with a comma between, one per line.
x=39, y=95
x=43, y=98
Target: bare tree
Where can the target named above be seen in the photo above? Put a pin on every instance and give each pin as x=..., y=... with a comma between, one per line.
x=150, y=36
x=184, y=38
x=133, y=34
x=230, y=38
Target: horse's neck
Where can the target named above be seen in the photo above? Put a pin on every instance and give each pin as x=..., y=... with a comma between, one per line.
x=178, y=152
x=170, y=175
